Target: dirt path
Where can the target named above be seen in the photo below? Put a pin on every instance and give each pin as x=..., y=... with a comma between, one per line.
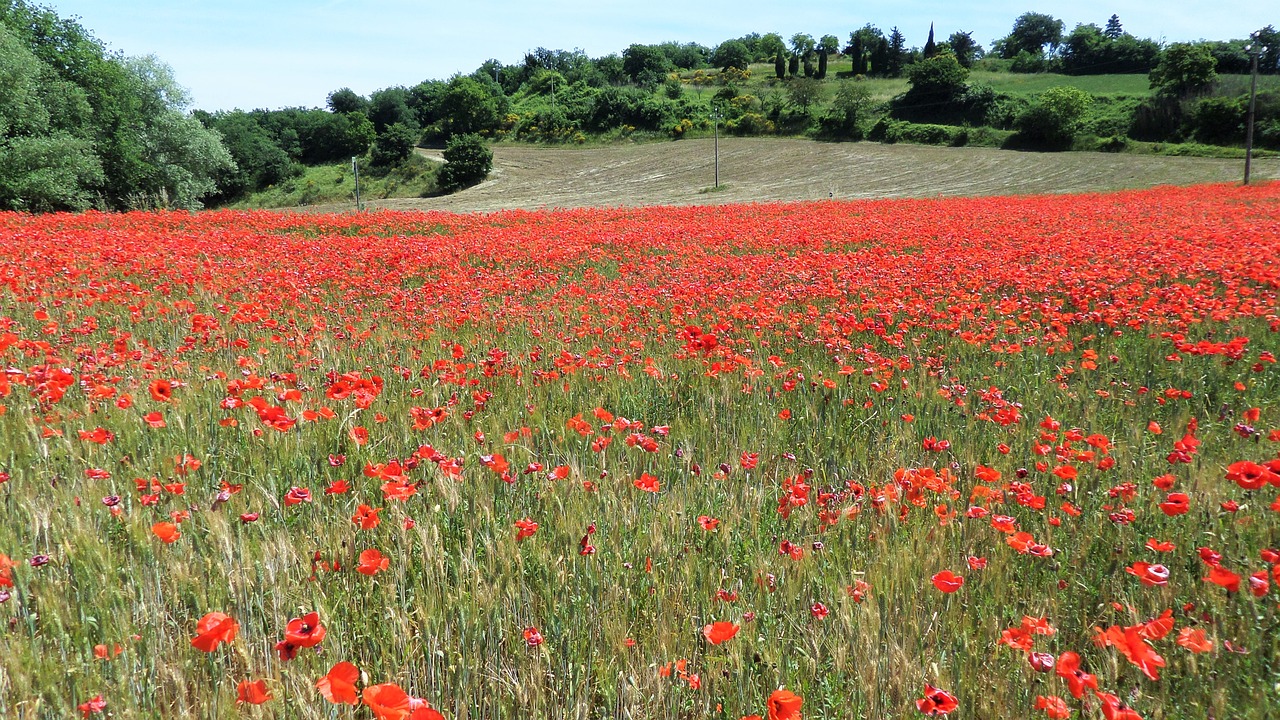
x=754, y=169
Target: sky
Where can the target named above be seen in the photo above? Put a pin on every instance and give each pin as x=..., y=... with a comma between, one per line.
x=291, y=53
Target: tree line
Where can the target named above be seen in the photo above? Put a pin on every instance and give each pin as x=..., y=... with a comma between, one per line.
x=86, y=127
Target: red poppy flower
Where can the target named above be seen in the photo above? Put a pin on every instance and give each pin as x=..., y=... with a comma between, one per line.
x=372, y=562
x=161, y=390
x=936, y=702
x=213, y=629
x=525, y=529
x=166, y=531
x=305, y=631
x=1054, y=707
x=719, y=631
x=647, y=482
x=387, y=701
x=339, y=685
x=366, y=518
x=1194, y=639
x=96, y=704
x=784, y=705
x=532, y=637
x=947, y=581
x=252, y=692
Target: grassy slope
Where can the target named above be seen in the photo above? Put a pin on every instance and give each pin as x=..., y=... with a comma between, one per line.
x=335, y=184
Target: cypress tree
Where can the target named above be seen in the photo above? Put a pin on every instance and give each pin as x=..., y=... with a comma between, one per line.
x=793, y=67
x=822, y=64
x=930, y=49
x=780, y=66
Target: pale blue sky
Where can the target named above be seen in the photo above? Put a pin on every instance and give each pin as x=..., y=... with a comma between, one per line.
x=282, y=53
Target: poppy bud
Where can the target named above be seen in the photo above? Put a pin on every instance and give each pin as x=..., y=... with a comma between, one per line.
x=1041, y=662
x=1022, y=473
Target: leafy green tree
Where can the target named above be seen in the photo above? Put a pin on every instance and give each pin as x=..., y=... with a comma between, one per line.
x=185, y=156
x=646, y=65
x=940, y=78
x=1054, y=118
x=346, y=100
x=1185, y=68
x=965, y=48
x=1089, y=50
x=802, y=44
x=731, y=54
x=804, y=92
x=389, y=106
x=829, y=44
x=1032, y=33
x=849, y=108
x=47, y=173
x=686, y=56
x=769, y=46
x=467, y=161
x=393, y=146
x=259, y=161
x=862, y=43
x=469, y=106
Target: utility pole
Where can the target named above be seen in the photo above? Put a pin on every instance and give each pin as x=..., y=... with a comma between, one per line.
x=715, y=117
x=355, y=169
x=1254, y=51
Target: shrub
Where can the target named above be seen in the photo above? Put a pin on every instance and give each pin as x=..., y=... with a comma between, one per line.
x=393, y=145
x=1219, y=121
x=1053, y=119
x=467, y=161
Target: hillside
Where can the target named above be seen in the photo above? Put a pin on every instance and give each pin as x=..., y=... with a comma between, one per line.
x=758, y=169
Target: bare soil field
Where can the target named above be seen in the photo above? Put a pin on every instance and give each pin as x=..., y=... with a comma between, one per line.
x=756, y=170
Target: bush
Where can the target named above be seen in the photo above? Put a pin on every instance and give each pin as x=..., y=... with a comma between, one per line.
x=1219, y=121
x=1053, y=119
x=467, y=161
x=393, y=146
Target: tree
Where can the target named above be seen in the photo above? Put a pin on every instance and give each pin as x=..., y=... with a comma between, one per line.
x=390, y=106
x=393, y=146
x=829, y=44
x=804, y=92
x=769, y=46
x=862, y=43
x=467, y=161
x=802, y=44
x=1053, y=119
x=1031, y=33
x=780, y=66
x=184, y=155
x=930, y=48
x=965, y=48
x=850, y=106
x=645, y=64
x=1114, y=28
x=1185, y=68
x=469, y=106
x=731, y=54
x=822, y=64
x=347, y=100
x=896, y=55
x=940, y=78
x=793, y=66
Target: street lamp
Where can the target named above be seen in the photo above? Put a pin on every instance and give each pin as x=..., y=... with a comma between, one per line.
x=715, y=118
x=1253, y=50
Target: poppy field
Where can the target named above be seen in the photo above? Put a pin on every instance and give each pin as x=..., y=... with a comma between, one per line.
x=976, y=458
